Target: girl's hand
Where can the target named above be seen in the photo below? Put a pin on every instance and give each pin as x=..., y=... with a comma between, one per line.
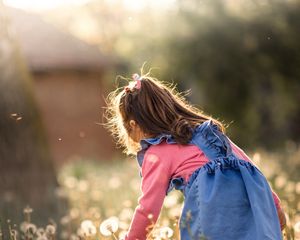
x=282, y=218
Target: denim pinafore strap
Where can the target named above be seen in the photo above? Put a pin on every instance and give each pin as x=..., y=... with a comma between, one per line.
x=227, y=198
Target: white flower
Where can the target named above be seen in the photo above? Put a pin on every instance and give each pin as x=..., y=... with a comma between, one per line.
x=40, y=232
x=74, y=237
x=42, y=237
x=88, y=228
x=170, y=201
x=297, y=230
x=70, y=182
x=50, y=229
x=114, y=182
x=65, y=220
x=297, y=227
x=165, y=232
x=86, y=223
x=109, y=226
x=28, y=227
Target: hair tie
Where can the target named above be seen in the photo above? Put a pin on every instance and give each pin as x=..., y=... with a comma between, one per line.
x=136, y=84
x=138, y=79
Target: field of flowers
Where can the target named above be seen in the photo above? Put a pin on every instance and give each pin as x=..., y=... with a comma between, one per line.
x=103, y=197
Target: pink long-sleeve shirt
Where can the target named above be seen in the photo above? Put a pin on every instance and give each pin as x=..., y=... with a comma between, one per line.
x=161, y=163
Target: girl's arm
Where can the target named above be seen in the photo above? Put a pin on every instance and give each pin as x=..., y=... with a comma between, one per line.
x=155, y=181
x=280, y=212
x=240, y=153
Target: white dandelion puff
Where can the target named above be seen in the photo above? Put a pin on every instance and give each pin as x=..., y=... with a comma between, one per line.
x=50, y=230
x=88, y=228
x=109, y=226
x=165, y=232
x=40, y=232
x=42, y=237
x=297, y=227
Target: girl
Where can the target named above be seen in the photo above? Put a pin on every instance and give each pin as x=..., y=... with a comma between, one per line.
x=226, y=197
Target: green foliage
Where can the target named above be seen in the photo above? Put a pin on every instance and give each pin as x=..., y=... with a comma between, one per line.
x=241, y=61
x=245, y=68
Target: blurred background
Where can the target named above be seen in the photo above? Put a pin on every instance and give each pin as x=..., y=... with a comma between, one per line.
x=60, y=59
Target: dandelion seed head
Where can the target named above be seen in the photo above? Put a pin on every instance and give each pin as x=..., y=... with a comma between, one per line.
x=297, y=227
x=290, y=187
x=88, y=228
x=27, y=210
x=128, y=203
x=80, y=232
x=83, y=185
x=165, y=232
x=174, y=212
x=65, y=220
x=28, y=228
x=64, y=235
x=280, y=181
x=74, y=237
x=109, y=226
x=14, y=233
x=50, y=229
x=40, y=232
x=96, y=195
x=114, y=182
x=170, y=201
x=74, y=213
x=86, y=223
x=70, y=182
x=42, y=237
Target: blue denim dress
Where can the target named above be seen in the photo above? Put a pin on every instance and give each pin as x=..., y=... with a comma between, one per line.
x=227, y=198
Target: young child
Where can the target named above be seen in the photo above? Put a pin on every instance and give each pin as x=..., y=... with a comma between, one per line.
x=226, y=197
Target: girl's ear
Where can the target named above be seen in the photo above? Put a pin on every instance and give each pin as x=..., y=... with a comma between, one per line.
x=132, y=124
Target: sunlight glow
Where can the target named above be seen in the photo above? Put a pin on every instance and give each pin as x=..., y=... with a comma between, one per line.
x=38, y=5
x=134, y=4
x=41, y=5
x=140, y=4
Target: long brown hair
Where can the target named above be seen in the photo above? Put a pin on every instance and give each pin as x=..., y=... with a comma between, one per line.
x=157, y=108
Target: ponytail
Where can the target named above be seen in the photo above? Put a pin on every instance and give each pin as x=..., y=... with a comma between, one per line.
x=182, y=131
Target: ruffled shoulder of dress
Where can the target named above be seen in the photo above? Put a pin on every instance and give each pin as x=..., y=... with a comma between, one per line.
x=206, y=127
x=147, y=142
x=207, y=130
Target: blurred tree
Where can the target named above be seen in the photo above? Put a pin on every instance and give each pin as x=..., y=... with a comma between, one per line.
x=27, y=175
x=246, y=66
x=240, y=58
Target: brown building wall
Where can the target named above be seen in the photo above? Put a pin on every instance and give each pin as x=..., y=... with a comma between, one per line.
x=71, y=106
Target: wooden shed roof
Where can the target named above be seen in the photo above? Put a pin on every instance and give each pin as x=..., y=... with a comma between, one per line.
x=46, y=47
